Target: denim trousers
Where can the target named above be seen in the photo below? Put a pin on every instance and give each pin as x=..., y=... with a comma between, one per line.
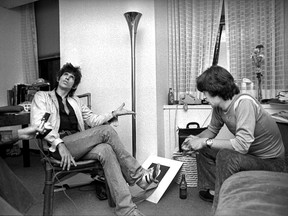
x=120, y=167
x=215, y=166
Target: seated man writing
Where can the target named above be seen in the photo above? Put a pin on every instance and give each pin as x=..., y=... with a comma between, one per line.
x=69, y=141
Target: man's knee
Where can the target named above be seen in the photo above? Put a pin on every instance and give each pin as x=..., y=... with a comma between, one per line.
x=229, y=159
x=104, y=150
x=206, y=153
x=225, y=155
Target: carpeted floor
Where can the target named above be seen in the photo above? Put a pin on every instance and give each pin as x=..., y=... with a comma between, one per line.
x=83, y=201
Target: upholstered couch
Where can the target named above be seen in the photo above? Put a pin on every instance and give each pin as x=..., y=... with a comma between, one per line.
x=254, y=193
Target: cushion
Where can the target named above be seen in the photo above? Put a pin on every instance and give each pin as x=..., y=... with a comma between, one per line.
x=11, y=109
x=254, y=193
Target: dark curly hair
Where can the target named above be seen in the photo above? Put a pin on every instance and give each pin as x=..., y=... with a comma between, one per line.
x=217, y=81
x=76, y=71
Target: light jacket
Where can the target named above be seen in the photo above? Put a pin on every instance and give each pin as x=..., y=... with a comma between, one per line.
x=46, y=101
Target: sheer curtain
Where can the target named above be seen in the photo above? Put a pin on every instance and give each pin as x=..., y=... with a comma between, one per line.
x=253, y=22
x=29, y=43
x=193, y=28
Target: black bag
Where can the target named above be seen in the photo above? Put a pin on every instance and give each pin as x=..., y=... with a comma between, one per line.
x=183, y=133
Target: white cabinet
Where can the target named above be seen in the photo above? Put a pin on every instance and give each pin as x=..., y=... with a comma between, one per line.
x=176, y=117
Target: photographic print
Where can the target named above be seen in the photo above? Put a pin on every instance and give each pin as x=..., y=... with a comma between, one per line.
x=169, y=169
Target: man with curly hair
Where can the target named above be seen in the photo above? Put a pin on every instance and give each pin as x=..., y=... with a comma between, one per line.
x=257, y=144
x=69, y=141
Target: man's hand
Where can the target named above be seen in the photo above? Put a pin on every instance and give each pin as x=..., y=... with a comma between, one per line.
x=30, y=132
x=193, y=143
x=121, y=111
x=66, y=157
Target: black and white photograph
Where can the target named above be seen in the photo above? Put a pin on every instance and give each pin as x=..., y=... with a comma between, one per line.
x=143, y=107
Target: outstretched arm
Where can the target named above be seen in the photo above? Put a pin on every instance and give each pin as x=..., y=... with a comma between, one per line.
x=30, y=132
x=121, y=111
x=25, y=134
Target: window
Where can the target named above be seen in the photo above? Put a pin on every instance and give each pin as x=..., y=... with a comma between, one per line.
x=221, y=51
x=48, y=69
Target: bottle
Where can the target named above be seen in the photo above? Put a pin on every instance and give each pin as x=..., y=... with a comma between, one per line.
x=170, y=97
x=183, y=188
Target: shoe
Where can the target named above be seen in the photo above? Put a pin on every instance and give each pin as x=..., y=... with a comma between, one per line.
x=149, y=176
x=101, y=191
x=206, y=196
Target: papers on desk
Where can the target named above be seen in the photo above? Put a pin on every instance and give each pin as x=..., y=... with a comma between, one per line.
x=281, y=116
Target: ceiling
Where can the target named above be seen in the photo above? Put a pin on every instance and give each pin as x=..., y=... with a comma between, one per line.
x=14, y=3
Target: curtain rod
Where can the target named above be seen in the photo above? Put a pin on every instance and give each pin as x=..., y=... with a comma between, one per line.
x=48, y=57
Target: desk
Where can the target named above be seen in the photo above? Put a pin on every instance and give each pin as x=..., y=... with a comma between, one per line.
x=7, y=120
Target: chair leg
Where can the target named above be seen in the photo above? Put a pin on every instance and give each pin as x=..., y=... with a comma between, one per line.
x=48, y=192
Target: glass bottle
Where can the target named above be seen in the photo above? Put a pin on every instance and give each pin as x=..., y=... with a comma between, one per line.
x=170, y=97
x=183, y=188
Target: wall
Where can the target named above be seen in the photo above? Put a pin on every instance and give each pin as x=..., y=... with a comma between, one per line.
x=10, y=56
x=95, y=36
x=161, y=24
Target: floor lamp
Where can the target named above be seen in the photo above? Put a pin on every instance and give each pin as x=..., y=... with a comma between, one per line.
x=132, y=19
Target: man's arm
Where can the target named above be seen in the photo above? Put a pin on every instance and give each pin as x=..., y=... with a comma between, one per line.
x=206, y=134
x=93, y=119
x=11, y=140
x=24, y=134
x=66, y=158
x=216, y=143
x=38, y=109
x=200, y=141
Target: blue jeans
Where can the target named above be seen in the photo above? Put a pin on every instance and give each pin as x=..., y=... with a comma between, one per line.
x=103, y=143
x=215, y=166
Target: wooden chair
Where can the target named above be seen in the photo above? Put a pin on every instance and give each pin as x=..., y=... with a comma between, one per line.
x=54, y=173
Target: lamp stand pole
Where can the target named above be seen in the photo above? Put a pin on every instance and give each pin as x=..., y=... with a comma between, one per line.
x=132, y=19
